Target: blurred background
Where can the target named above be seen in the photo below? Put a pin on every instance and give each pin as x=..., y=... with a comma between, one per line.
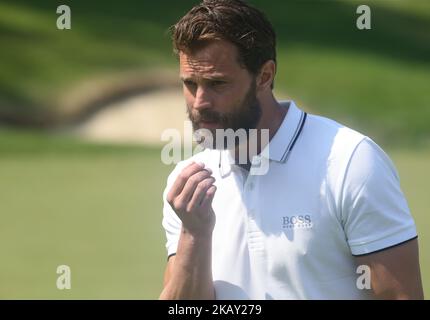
x=82, y=110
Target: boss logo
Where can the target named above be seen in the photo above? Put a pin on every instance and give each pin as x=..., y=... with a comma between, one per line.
x=297, y=221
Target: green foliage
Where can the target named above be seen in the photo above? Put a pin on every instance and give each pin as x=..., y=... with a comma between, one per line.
x=376, y=80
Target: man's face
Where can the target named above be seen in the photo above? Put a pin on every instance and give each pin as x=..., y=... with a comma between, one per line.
x=219, y=92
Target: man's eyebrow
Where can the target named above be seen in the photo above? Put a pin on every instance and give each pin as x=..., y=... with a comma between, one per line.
x=216, y=78
x=206, y=78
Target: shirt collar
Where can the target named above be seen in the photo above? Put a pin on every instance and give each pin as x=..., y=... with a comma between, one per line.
x=281, y=143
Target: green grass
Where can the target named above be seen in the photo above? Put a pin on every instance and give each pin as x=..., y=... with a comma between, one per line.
x=389, y=99
x=413, y=167
x=98, y=210
x=324, y=61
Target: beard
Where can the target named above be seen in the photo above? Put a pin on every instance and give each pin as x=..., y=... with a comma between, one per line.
x=244, y=116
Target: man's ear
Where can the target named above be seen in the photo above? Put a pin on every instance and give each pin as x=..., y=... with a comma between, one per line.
x=266, y=76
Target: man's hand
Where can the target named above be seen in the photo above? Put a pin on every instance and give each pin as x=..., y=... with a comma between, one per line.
x=191, y=198
x=189, y=274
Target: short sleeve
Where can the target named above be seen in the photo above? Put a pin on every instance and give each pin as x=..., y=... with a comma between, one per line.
x=375, y=213
x=171, y=222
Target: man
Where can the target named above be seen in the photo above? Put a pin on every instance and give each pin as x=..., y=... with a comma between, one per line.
x=328, y=202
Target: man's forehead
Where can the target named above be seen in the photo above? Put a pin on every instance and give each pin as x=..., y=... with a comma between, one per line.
x=217, y=58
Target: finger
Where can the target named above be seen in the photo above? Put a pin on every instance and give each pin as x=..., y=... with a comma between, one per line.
x=182, y=179
x=207, y=200
x=200, y=192
x=192, y=183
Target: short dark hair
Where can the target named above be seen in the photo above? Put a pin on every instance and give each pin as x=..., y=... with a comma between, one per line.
x=231, y=20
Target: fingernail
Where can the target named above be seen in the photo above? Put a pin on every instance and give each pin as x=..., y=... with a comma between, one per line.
x=201, y=164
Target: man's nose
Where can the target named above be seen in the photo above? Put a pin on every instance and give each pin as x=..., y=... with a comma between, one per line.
x=202, y=100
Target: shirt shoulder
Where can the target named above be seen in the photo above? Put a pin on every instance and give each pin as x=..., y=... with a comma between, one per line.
x=365, y=185
x=334, y=135
x=330, y=144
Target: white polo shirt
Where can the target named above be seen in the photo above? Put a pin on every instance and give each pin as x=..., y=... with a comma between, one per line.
x=330, y=193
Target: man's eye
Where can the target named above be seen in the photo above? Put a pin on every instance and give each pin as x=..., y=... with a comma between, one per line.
x=189, y=83
x=217, y=83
